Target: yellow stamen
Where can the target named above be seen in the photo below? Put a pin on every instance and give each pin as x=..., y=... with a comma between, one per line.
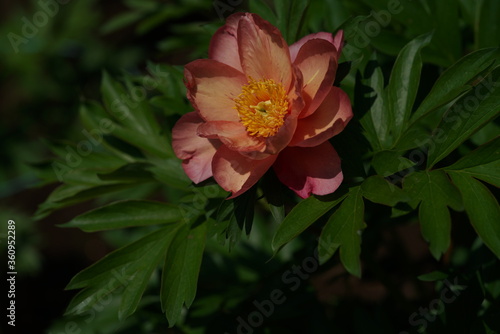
x=262, y=106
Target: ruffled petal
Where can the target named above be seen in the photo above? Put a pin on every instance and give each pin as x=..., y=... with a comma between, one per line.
x=327, y=121
x=237, y=173
x=317, y=61
x=312, y=170
x=196, y=152
x=337, y=41
x=224, y=44
x=263, y=51
x=232, y=134
x=212, y=88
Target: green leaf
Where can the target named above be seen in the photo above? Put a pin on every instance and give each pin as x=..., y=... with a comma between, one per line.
x=403, y=84
x=488, y=172
x=121, y=21
x=282, y=9
x=370, y=98
x=343, y=231
x=135, y=172
x=435, y=192
x=128, y=268
x=302, y=216
x=262, y=9
x=137, y=124
x=387, y=163
x=236, y=215
x=465, y=117
x=379, y=190
x=483, y=163
x=447, y=35
x=482, y=155
x=298, y=9
x=482, y=208
x=126, y=214
x=180, y=271
x=66, y=195
x=433, y=276
x=99, y=123
x=488, y=23
x=455, y=80
x=170, y=172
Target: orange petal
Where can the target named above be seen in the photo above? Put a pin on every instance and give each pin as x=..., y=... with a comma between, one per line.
x=224, y=44
x=312, y=170
x=317, y=60
x=263, y=51
x=327, y=121
x=237, y=173
x=337, y=41
x=212, y=87
x=232, y=134
x=196, y=152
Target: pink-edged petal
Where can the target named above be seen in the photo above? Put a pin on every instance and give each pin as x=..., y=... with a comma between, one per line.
x=263, y=51
x=212, y=88
x=327, y=121
x=224, y=44
x=312, y=170
x=281, y=139
x=317, y=61
x=237, y=173
x=196, y=152
x=337, y=41
x=232, y=134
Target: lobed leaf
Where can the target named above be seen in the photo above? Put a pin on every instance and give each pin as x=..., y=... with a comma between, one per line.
x=302, y=216
x=481, y=207
x=435, y=193
x=343, y=231
x=379, y=190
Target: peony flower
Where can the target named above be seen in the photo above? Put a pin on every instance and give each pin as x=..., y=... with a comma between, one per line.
x=260, y=103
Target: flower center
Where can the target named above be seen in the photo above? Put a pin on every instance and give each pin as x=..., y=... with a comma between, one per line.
x=262, y=106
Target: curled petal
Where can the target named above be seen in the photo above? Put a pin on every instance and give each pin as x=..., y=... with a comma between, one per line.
x=212, y=88
x=237, y=173
x=329, y=120
x=312, y=170
x=196, y=152
x=263, y=51
x=337, y=41
x=232, y=134
x=317, y=61
x=224, y=44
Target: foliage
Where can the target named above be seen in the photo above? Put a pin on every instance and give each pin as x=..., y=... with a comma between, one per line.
x=421, y=147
